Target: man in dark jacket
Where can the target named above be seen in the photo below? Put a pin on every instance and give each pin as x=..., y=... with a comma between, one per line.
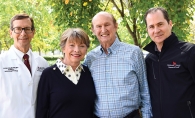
x=170, y=68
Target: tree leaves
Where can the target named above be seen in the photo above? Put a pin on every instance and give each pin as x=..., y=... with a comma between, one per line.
x=133, y=17
x=54, y=16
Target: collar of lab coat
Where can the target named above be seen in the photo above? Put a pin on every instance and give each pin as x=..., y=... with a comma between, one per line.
x=34, y=59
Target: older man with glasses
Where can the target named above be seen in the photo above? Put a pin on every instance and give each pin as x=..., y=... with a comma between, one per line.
x=20, y=71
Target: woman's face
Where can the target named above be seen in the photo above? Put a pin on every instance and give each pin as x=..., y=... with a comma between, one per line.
x=74, y=52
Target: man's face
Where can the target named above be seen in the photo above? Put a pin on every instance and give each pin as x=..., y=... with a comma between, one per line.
x=157, y=26
x=104, y=28
x=22, y=40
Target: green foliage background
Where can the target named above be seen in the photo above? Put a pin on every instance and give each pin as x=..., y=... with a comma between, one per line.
x=52, y=17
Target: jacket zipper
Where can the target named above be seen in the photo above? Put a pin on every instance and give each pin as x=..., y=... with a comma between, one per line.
x=189, y=104
x=160, y=88
x=153, y=70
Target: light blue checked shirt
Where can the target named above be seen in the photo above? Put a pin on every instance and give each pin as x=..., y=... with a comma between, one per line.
x=120, y=80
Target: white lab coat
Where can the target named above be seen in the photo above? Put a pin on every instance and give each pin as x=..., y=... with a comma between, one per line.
x=17, y=87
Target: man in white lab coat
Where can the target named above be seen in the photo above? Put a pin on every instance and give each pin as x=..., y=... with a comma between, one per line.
x=18, y=85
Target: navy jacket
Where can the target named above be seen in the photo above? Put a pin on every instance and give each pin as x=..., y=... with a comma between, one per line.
x=171, y=78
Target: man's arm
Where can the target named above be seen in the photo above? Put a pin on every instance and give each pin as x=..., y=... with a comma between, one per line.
x=143, y=86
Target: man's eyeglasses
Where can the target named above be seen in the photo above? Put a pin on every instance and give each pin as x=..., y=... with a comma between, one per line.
x=18, y=30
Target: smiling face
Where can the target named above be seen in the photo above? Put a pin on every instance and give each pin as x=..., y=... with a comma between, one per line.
x=158, y=28
x=74, y=52
x=22, y=40
x=104, y=28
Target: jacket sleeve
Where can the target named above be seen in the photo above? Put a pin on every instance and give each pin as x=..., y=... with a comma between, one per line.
x=191, y=62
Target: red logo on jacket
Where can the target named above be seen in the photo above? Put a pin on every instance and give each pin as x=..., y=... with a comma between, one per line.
x=173, y=65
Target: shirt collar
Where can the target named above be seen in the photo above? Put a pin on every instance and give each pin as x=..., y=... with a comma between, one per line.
x=62, y=67
x=113, y=48
x=19, y=53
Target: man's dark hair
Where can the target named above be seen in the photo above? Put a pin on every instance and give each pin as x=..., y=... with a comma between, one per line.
x=155, y=9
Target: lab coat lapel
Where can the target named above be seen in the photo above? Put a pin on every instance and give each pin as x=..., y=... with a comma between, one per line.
x=18, y=63
x=34, y=64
